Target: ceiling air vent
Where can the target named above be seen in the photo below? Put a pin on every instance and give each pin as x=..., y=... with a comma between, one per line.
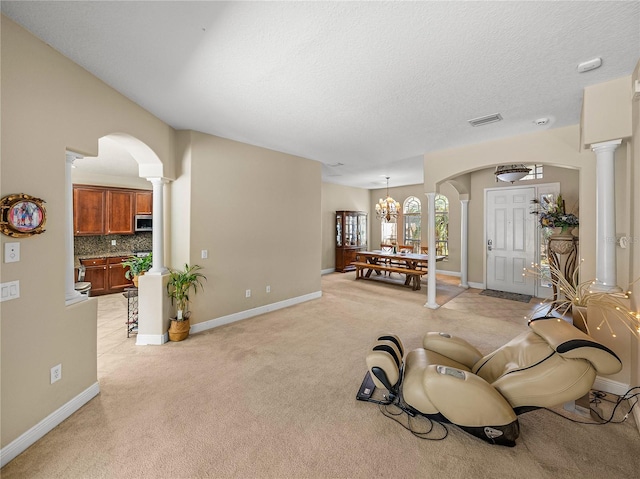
x=483, y=120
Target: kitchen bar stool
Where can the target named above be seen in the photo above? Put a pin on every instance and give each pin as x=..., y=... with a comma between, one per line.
x=81, y=285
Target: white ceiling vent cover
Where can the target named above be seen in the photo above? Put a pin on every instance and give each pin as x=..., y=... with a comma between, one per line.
x=483, y=120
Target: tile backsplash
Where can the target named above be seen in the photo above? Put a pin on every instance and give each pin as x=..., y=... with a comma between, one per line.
x=101, y=245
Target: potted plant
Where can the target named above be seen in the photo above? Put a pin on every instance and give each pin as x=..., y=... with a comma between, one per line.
x=178, y=288
x=137, y=267
x=552, y=214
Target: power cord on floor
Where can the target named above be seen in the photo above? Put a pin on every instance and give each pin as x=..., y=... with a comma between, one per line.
x=599, y=396
x=401, y=409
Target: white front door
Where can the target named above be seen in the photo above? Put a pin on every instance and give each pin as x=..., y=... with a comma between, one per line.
x=510, y=241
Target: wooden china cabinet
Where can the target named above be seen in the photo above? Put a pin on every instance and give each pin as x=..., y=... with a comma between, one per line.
x=351, y=237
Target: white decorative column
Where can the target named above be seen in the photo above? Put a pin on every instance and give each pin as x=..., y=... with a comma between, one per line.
x=464, y=242
x=158, y=267
x=606, y=274
x=153, y=302
x=431, y=243
x=70, y=295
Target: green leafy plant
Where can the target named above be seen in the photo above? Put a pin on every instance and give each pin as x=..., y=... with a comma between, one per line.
x=137, y=265
x=179, y=285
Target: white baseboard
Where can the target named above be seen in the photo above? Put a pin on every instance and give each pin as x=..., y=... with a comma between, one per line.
x=449, y=273
x=610, y=386
x=231, y=318
x=20, y=444
x=327, y=271
x=152, y=339
x=476, y=285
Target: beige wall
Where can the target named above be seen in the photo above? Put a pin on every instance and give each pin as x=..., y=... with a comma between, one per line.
x=50, y=104
x=257, y=213
x=340, y=198
x=485, y=178
x=400, y=194
x=558, y=147
x=606, y=111
x=82, y=178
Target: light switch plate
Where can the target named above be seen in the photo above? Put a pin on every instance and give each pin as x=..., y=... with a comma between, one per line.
x=10, y=290
x=11, y=252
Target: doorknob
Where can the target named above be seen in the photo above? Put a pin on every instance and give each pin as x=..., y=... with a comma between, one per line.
x=489, y=243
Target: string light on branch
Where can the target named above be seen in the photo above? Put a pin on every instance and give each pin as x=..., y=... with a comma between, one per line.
x=610, y=307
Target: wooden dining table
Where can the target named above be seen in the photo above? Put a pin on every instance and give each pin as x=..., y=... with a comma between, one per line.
x=413, y=265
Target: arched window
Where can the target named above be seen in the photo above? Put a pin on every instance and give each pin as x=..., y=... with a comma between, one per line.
x=389, y=233
x=411, y=211
x=442, y=225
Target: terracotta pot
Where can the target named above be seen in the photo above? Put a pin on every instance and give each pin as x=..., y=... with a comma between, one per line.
x=179, y=330
x=135, y=279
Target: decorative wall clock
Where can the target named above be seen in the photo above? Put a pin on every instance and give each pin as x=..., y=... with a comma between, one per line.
x=22, y=215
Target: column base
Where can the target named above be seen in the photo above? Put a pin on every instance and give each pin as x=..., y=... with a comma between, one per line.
x=605, y=288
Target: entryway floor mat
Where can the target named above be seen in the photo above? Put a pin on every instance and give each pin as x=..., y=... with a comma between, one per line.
x=523, y=298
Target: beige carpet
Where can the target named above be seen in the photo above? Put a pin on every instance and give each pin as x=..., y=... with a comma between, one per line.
x=274, y=397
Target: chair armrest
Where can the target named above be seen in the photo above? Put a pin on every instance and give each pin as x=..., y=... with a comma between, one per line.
x=465, y=398
x=452, y=347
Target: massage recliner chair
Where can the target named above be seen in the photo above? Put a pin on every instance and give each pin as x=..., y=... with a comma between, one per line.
x=449, y=380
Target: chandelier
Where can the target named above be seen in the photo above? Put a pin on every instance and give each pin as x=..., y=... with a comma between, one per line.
x=387, y=210
x=511, y=172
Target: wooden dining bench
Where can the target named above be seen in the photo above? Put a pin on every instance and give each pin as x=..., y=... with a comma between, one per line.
x=413, y=275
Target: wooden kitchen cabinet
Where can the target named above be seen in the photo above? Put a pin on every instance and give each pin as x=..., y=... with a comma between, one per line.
x=89, y=208
x=106, y=275
x=119, y=212
x=144, y=202
x=96, y=274
x=101, y=210
x=116, y=275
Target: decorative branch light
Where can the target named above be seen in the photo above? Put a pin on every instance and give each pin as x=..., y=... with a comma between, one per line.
x=612, y=307
x=387, y=210
x=511, y=172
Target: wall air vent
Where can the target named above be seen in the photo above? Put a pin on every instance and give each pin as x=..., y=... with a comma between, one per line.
x=483, y=120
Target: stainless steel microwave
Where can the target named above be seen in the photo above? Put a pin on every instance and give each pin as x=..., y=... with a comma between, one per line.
x=143, y=222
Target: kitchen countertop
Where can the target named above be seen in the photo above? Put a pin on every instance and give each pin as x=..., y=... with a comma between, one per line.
x=110, y=254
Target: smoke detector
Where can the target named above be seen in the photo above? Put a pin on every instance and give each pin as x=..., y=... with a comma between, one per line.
x=589, y=65
x=541, y=121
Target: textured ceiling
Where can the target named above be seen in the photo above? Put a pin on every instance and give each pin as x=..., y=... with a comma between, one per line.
x=369, y=85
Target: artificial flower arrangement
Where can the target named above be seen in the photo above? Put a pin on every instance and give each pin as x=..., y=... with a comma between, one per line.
x=611, y=306
x=552, y=214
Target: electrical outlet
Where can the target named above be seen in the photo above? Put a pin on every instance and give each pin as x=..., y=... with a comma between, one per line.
x=56, y=373
x=204, y=254
x=113, y=242
x=268, y=289
x=247, y=293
